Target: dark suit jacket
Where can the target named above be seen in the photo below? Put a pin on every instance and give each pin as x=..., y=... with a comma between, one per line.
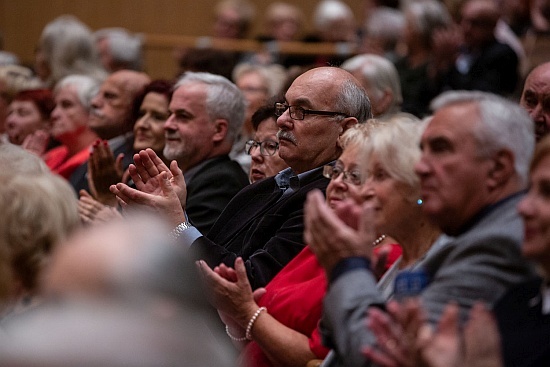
x=256, y=225
x=525, y=331
x=79, y=180
x=494, y=70
x=210, y=186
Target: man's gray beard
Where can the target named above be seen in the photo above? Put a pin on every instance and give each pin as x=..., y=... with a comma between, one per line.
x=171, y=153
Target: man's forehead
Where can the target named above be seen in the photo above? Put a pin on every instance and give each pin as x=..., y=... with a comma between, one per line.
x=540, y=75
x=113, y=85
x=454, y=118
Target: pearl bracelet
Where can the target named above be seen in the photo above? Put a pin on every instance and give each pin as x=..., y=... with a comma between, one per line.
x=234, y=338
x=377, y=241
x=252, y=321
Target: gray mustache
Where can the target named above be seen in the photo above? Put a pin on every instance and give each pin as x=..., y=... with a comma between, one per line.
x=287, y=135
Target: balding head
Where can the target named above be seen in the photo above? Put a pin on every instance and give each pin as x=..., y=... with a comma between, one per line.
x=112, y=107
x=331, y=100
x=535, y=98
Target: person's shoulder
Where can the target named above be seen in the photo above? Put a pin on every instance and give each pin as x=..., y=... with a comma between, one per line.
x=222, y=168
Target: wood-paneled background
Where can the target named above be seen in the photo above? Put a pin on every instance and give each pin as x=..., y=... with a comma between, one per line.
x=21, y=22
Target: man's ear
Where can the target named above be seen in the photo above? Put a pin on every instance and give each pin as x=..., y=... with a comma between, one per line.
x=347, y=123
x=385, y=101
x=503, y=168
x=220, y=130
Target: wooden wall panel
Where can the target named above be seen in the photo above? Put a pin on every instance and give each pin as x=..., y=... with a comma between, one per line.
x=21, y=21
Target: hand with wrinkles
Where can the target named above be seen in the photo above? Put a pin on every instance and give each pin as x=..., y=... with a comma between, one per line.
x=103, y=171
x=333, y=235
x=158, y=186
x=92, y=211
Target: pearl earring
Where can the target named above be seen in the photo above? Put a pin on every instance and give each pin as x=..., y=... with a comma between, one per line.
x=419, y=202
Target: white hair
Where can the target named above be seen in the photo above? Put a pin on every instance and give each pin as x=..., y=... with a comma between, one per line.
x=85, y=87
x=502, y=125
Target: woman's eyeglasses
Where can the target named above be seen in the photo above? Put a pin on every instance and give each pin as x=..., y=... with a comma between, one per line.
x=267, y=147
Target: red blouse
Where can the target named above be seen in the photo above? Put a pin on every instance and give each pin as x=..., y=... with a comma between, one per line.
x=59, y=161
x=295, y=299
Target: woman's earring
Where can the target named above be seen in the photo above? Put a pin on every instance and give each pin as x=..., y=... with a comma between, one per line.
x=419, y=202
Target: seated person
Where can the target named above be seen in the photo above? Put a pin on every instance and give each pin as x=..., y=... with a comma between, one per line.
x=287, y=333
x=73, y=96
x=264, y=221
x=29, y=112
x=40, y=211
x=263, y=148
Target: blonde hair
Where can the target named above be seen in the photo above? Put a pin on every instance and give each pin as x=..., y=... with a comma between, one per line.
x=38, y=211
x=395, y=143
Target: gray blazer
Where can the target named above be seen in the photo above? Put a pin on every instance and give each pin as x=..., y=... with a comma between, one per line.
x=479, y=264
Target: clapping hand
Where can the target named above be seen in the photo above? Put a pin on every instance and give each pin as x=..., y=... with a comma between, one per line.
x=103, y=171
x=158, y=187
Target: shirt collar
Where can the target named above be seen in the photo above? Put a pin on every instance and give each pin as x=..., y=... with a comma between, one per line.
x=287, y=178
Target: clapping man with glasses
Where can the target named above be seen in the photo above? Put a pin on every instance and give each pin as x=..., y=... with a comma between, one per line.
x=263, y=224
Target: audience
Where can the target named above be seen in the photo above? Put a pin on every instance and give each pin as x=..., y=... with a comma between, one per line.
x=283, y=22
x=69, y=119
x=479, y=62
x=424, y=20
x=381, y=82
x=39, y=212
x=119, y=49
x=66, y=47
x=233, y=18
x=264, y=222
x=293, y=274
x=293, y=299
x=112, y=118
x=28, y=113
x=13, y=79
x=473, y=170
x=382, y=32
x=207, y=112
x=263, y=148
x=535, y=98
x=515, y=335
x=523, y=313
x=258, y=84
x=119, y=294
x=151, y=109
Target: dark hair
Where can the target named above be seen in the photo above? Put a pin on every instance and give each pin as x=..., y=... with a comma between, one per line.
x=266, y=111
x=160, y=86
x=42, y=98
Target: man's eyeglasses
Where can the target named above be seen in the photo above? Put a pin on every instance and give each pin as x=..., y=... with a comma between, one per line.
x=333, y=172
x=298, y=113
x=267, y=147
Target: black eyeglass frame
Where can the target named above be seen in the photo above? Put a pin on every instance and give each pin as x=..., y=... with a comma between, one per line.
x=262, y=144
x=280, y=108
x=328, y=172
